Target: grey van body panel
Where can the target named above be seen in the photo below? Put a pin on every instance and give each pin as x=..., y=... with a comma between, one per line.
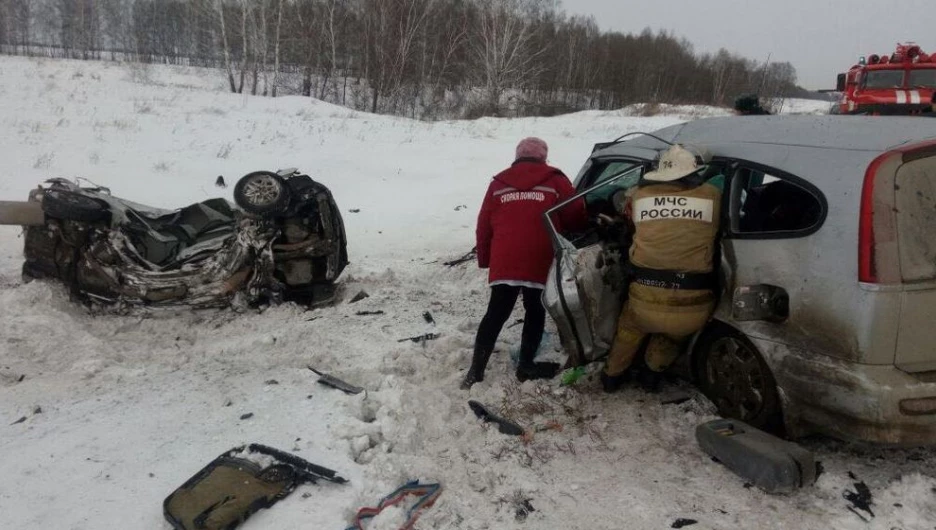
x=829, y=311
x=847, y=400
x=841, y=360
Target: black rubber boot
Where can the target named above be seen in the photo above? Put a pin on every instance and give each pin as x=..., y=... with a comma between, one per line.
x=478, y=364
x=469, y=380
x=529, y=371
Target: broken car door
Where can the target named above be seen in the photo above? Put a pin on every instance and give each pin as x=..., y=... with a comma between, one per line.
x=586, y=284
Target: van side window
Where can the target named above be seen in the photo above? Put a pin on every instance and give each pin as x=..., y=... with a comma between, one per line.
x=916, y=219
x=762, y=203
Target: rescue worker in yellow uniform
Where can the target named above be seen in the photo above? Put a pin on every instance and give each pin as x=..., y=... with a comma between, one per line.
x=675, y=217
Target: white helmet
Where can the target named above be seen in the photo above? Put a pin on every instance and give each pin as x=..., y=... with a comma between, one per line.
x=677, y=162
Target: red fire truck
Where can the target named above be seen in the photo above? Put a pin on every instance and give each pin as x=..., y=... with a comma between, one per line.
x=900, y=83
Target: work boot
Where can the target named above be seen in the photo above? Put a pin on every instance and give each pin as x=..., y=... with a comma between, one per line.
x=612, y=383
x=529, y=371
x=650, y=381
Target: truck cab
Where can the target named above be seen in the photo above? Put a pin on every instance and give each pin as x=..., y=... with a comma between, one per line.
x=902, y=83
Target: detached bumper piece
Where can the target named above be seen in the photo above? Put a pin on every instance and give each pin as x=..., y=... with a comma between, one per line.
x=771, y=464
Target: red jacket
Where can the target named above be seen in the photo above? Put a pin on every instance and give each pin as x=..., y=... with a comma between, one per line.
x=512, y=236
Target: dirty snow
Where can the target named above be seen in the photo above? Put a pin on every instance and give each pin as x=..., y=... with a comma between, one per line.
x=117, y=411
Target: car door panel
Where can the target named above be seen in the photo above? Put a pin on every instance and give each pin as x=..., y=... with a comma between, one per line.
x=581, y=294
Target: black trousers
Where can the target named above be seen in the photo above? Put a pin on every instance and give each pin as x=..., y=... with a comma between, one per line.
x=500, y=306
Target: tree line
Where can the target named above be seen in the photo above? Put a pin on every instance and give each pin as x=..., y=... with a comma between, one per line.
x=419, y=58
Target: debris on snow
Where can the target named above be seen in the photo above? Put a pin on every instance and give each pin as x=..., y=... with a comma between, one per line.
x=470, y=256
x=860, y=499
x=360, y=296
x=421, y=338
x=334, y=382
x=503, y=425
x=682, y=523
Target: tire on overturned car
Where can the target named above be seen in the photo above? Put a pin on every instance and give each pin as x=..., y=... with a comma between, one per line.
x=262, y=193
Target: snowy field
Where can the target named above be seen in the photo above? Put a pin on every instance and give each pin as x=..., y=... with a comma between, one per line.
x=117, y=411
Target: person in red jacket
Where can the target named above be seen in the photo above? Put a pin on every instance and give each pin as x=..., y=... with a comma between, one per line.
x=514, y=244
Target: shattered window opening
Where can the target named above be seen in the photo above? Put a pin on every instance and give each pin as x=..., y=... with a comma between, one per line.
x=767, y=204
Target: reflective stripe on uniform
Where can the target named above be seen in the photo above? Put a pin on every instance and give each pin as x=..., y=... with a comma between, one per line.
x=503, y=191
x=673, y=207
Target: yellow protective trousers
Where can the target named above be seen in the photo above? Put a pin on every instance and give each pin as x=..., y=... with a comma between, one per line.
x=670, y=316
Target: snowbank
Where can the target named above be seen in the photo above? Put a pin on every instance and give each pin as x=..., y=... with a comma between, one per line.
x=120, y=410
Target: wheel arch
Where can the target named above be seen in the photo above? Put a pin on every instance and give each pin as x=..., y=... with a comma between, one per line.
x=718, y=328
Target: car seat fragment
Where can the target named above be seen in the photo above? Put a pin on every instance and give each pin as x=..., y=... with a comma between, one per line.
x=334, y=382
x=505, y=426
x=237, y=484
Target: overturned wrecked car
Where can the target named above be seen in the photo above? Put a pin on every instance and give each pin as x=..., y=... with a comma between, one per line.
x=827, y=271
x=285, y=242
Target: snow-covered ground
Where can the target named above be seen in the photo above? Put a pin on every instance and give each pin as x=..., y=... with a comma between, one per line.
x=804, y=106
x=120, y=410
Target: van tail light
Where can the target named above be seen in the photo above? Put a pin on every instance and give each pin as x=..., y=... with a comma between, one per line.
x=867, y=272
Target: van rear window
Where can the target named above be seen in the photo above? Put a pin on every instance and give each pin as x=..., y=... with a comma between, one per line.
x=916, y=219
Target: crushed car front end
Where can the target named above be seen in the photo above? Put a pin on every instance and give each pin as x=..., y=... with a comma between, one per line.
x=117, y=253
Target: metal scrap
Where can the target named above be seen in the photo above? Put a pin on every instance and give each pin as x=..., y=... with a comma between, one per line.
x=334, y=382
x=421, y=338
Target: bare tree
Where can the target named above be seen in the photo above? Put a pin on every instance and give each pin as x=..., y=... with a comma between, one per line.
x=276, y=46
x=421, y=58
x=503, y=48
x=226, y=50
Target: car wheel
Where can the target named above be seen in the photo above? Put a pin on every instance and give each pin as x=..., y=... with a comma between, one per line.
x=262, y=193
x=731, y=372
x=73, y=206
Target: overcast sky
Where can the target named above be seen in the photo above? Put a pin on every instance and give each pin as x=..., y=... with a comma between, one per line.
x=819, y=37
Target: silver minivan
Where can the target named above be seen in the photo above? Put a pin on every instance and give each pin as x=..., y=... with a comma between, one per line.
x=827, y=313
